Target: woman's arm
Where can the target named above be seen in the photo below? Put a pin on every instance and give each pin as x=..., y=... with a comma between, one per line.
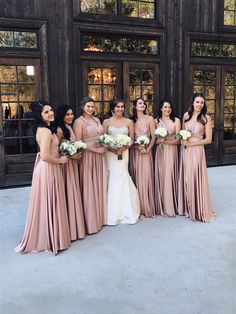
x=44, y=137
x=152, y=126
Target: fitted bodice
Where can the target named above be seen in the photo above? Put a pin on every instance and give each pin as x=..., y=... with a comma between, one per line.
x=54, y=146
x=92, y=129
x=196, y=128
x=142, y=127
x=113, y=131
x=169, y=126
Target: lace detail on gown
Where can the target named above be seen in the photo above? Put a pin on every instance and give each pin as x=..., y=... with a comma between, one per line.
x=122, y=198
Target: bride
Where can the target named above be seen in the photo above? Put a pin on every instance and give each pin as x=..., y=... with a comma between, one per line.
x=122, y=198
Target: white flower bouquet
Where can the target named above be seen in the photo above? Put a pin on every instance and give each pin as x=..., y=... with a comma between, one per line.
x=183, y=135
x=70, y=148
x=142, y=140
x=161, y=132
x=119, y=141
x=106, y=140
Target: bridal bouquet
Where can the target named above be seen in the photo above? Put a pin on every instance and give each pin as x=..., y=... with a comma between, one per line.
x=161, y=132
x=183, y=135
x=70, y=148
x=119, y=141
x=106, y=140
x=142, y=140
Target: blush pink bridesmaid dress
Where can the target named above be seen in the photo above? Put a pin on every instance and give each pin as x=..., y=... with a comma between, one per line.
x=73, y=196
x=46, y=227
x=193, y=196
x=93, y=177
x=142, y=170
x=166, y=173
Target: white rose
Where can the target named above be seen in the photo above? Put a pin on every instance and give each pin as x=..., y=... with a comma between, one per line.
x=160, y=132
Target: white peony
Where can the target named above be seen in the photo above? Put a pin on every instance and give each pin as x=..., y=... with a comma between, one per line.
x=80, y=145
x=142, y=140
x=72, y=149
x=64, y=146
x=106, y=140
x=161, y=132
x=185, y=134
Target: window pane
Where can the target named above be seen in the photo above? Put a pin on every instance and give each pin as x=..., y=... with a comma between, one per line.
x=135, y=76
x=8, y=92
x=229, y=78
x=95, y=92
x=129, y=8
x=6, y=39
x=98, y=108
x=23, y=76
x=147, y=77
x=229, y=92
x=229, y=4
x=7, y=74
x=149, y=107
x=134, y=92
x=108, y=92
x=108, y=6
x=229, y=106
x=229, y=50
x=229, y=120
x=210, y=92
x=26, y=92
x=229, y=18
x=146, y=10
x=112, y=45
x=92, y=43
x=147, y=93
x=109, y=76
x=11, y=128
x=25, y=40
x=210, y=106
x=198, y=88
x=94, y=76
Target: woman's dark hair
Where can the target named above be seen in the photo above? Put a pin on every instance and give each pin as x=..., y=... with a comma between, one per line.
x=37, y=109
x=134, y=115
x=59, y=121
x=113, y=104
x=161, y=104
x=201, y=118
x=83, y=102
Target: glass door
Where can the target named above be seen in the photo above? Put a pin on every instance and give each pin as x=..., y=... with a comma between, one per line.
x=19, y=86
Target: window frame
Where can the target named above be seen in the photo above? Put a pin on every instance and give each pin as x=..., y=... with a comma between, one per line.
x=157, y=21
x=222, y=27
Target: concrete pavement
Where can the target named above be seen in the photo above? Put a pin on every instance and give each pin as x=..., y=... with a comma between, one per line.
x=158, y=266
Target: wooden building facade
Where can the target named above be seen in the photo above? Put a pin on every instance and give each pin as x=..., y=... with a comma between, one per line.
x=62, y=50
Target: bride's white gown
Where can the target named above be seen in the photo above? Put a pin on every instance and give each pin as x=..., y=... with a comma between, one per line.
x=123, y=201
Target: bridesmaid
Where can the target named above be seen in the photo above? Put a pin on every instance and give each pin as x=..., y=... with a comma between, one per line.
x=141, y=161
x=46, y=227
x=166, y=161
x=93, y=173
x=194, y=197
x=64, y=119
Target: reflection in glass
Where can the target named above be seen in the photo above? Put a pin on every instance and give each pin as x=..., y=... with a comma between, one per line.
x=229, y=120
x=198, y=77
x=210, y=92
x=108, y=92
x=26, y=92
x=229, y=106
x=7, y=74
x=210, y=77
x=108, y=75
x=229, y=134
x=8, y=92
x=149, y=107
x=229, y=78
x=112, y=44
x=147, y=77
x=229, y=50
x=25, y=39
x=198, y=88
x=229, y=4
x=229, y=92
x=11, y=128
x=23, y=76
x=147, y=93
x=134, y=92
x=135, y=76
x=94, y=76
x=229, y=18
x=129, y=8
x=212, y=120
x=98, y=108
x=146, y=10
x=6, y=39
x=210, y=106
x=95, y=92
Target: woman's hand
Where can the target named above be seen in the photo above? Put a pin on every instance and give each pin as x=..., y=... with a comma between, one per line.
x=101, y=149
x=160, y=141
x=186, y=143
x=63, y=159
x=77, y=156
x=120, y=150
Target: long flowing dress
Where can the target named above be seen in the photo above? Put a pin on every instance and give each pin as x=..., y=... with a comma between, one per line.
x=46, y=227
x=73, y=196
x=193, y=195
x=166, y=173
x=123, y=205
x=93, y=178
x=142, y=170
